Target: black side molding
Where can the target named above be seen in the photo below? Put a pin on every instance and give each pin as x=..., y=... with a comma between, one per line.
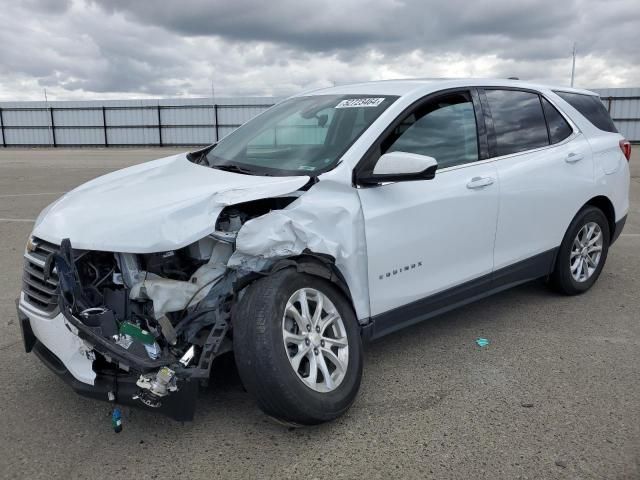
x=388, y=322
x=618, y=230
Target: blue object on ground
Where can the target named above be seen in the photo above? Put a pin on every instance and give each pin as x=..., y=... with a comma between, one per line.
x=116, y=420
x=482, y=342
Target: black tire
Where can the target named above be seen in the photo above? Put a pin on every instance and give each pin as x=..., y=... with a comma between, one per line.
x=561, y=279
x=262, y=359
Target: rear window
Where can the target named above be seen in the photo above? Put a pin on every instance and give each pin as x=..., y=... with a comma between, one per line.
x=518, y=121
x=591, y=108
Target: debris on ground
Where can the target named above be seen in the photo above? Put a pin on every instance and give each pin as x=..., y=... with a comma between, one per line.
x=482, y=342
x=116, y=420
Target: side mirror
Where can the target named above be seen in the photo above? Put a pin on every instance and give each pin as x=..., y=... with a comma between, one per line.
x=322, y=119
x=400, y=167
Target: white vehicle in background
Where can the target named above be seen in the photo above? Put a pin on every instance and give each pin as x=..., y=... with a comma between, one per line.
x=335, y=216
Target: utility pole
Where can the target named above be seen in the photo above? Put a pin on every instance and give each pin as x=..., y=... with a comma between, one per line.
x=573, y=65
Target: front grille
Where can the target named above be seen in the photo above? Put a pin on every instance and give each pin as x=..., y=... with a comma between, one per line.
x=40, y=293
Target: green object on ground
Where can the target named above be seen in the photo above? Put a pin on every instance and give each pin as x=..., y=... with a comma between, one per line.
x=135, y=332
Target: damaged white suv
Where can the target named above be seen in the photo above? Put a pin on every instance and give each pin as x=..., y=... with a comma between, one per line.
x=336, y=216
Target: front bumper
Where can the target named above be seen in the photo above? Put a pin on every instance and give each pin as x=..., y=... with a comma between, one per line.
x=71, y=366
x=51, y=331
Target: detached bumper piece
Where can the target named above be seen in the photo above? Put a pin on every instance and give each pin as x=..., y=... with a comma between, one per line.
x=122, y=387
x=180, y=405
x=161, y=385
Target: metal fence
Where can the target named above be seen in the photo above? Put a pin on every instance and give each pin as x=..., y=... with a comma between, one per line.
x=187, y=122
x=124, y=123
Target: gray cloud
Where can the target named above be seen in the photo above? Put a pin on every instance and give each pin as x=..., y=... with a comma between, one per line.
x=116, y=48
x=52, y=7
x=505, y=26
x=319, y=26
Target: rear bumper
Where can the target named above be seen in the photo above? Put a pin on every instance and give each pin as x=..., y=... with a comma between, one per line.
x=179, y=405
x=618, y=230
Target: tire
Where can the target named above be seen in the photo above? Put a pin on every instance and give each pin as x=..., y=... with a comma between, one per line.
x=563, y=278
x=263, y=360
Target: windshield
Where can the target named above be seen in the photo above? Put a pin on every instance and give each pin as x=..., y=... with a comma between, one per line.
x=300, y=136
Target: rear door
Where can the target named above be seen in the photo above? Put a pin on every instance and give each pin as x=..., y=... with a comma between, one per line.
x=430, y=235
x=545, y=169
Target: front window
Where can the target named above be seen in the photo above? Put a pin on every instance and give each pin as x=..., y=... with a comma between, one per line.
x=301, y=136
x=444, y=129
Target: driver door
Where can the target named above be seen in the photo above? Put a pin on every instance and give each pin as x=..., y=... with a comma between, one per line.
x=427, y=237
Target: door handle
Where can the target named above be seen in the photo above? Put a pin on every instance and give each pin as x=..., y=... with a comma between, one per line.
x=479, y=182
x=573, y=157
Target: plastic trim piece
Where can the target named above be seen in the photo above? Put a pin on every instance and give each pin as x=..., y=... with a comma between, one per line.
x=618, y=230
x=113, y=351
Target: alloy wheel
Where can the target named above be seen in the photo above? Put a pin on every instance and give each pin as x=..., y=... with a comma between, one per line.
x=586, y=252
x=315, y=340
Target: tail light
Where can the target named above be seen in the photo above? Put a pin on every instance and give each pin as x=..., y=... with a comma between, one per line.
x=625, y=146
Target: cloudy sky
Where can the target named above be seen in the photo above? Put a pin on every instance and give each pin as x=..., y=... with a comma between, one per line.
x=151, y=48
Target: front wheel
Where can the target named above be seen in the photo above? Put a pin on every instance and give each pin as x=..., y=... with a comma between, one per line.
x=582, y=253
x=297, y=347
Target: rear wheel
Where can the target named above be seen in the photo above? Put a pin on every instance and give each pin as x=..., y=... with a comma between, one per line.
x=297, y=347
x=583, y=252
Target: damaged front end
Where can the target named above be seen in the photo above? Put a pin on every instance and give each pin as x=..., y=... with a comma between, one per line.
x=153, y=323
x=137, y=311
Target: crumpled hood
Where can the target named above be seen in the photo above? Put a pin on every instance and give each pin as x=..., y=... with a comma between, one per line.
x=157, y=206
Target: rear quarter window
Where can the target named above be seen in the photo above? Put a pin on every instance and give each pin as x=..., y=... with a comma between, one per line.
x=591, y=108
x=559, y=129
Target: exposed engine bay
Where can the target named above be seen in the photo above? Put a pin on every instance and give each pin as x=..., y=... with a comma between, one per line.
x=163, y=317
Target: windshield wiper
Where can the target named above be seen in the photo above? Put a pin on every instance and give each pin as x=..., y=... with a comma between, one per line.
x=235, y=169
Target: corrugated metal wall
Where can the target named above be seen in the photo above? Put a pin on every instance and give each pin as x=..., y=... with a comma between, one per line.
x=191, y=122
x=624, y=106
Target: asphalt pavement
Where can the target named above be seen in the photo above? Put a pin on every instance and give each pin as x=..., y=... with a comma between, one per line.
x=555, y=394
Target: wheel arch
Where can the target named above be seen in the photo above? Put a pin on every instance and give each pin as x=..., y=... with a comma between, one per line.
x=316, y=264
x=606, y=206
x=319, y=265
x=602, y=203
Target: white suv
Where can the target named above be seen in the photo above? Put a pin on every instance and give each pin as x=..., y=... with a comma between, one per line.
x=335, y=216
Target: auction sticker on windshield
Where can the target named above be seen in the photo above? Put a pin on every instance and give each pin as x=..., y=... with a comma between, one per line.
x=360, y=102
